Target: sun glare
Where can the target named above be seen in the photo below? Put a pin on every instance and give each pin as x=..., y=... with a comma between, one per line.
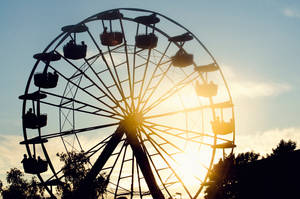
x=192, y=165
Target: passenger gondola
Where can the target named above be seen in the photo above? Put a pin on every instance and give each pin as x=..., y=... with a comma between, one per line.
x=75, y=51
x=33, y=121
x=182, y=59
x=111, y=38
x=46, y=80
x=147, y=41
x=34, y=166
x=207, y=68
x=206, y=89
x=222, y=127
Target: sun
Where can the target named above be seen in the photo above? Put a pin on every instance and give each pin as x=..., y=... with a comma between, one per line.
x=192, y=165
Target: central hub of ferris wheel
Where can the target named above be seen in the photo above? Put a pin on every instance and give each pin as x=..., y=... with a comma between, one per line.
x=132, y=121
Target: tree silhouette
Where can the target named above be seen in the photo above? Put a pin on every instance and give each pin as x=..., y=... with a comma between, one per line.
x=75, y=169
x=20, y=188
x=224, y=177
x=244, y=176
x=1, y=187
x=282, y=148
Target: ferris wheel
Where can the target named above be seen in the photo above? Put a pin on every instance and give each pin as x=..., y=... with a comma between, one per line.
x=139, y=95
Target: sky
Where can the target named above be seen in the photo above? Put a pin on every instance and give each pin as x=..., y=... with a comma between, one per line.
x=256, y=43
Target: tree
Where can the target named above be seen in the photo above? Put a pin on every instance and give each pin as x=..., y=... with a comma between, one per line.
x=244, y=176
x=75, y=170
x=1, y=187
x=224, y=177
x=20, y=188
x=283, y=147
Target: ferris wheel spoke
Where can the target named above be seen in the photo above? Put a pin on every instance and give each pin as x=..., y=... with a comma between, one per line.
x=120, y=170
x=124, y=145
x=107, y=89
x=77, y=75
x=132, y=95
x=143, y=79
x=119, y=86
x=135, y=67
x=54, y=176
x=92, y=150
x=171, y=92
x=117, y=83
x=112, y=99
x=179, y=135
x=99, y=146
x=74, y=131
x=155, y=70
x=162, y=138
x=82, y=104
x=197, y=134
x=154, y=88
x=88, y=93
x=111, y=116
x=127, y=62
x=156, y=146
x=187, y=110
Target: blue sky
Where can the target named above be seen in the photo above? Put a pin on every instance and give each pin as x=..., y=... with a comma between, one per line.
x=255, y=42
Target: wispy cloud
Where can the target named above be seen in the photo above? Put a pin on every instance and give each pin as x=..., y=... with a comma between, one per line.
x=289, y=12
x=253, y=89
x=263, y=142
x=241, y=86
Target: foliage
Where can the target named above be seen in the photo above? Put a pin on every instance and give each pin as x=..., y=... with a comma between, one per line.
x=1, y=186
x=224, y=180
x=75, y=169
x=283, y=147
x=231, y=177
x=20, y=188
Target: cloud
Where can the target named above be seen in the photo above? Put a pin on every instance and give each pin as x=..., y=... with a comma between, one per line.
x=263, y=142
x=241, y=86
x=288, y=12
x=253, y=89
x=11, y=153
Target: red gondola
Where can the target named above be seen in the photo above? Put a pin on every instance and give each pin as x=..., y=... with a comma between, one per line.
x=111, y=38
